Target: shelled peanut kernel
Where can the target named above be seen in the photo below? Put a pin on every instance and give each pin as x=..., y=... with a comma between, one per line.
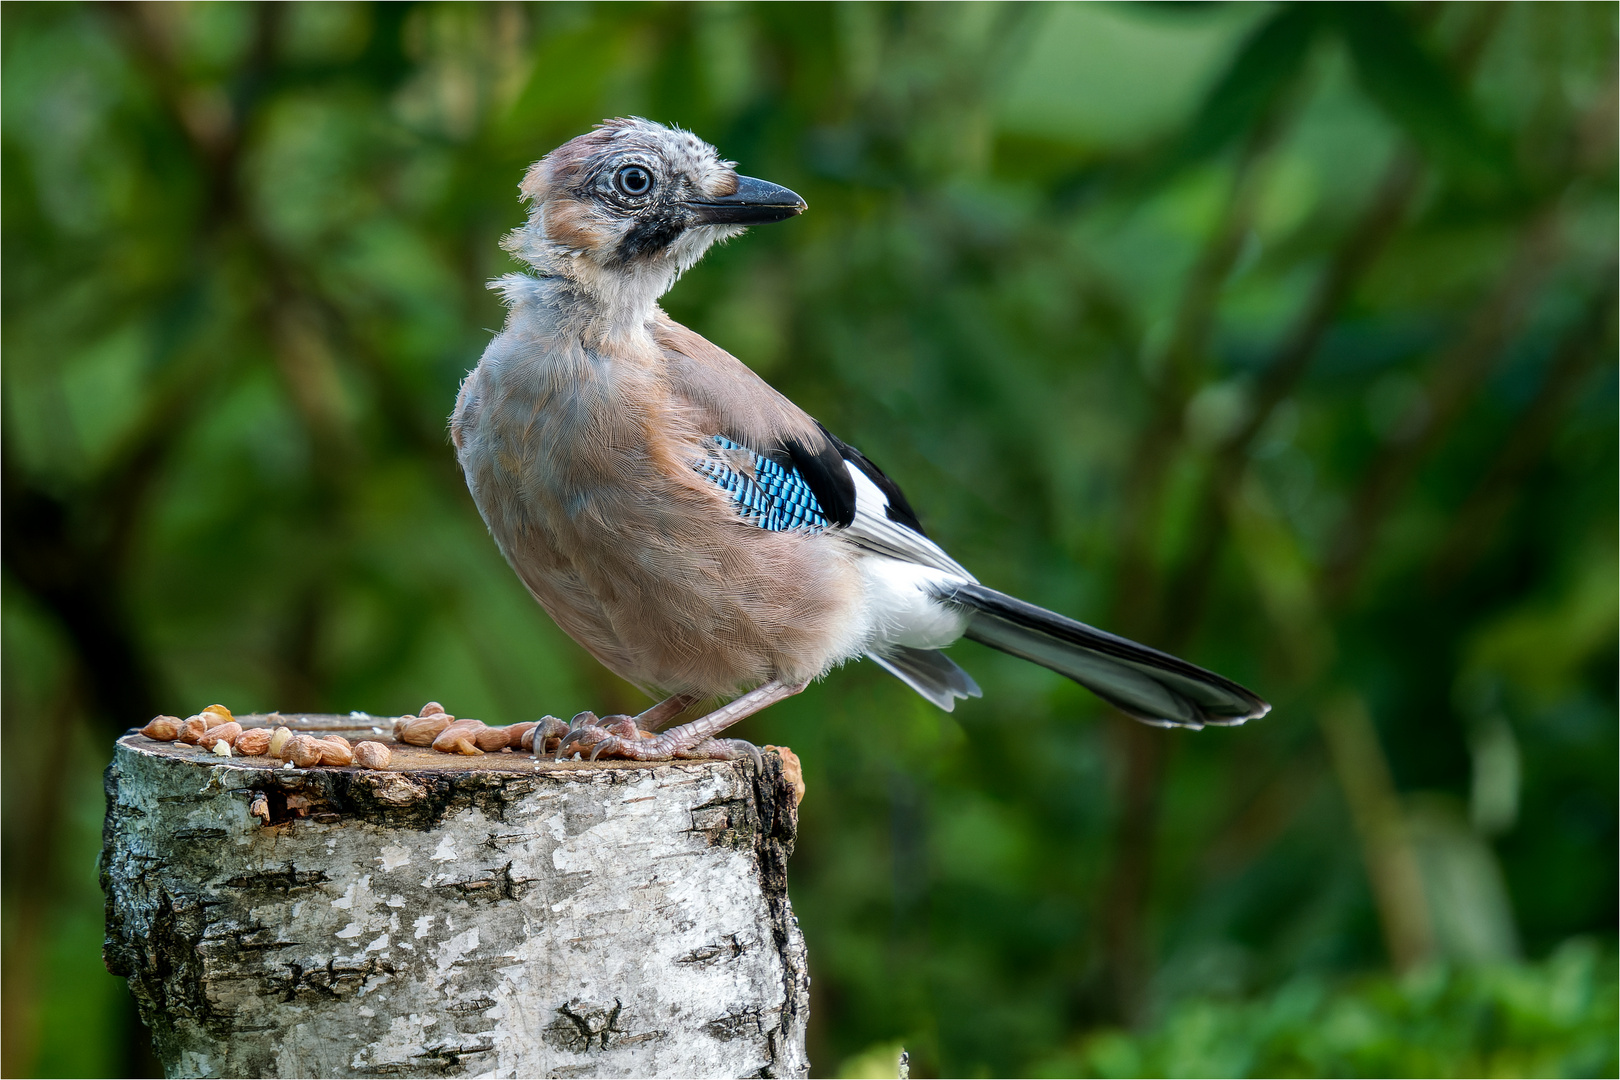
x=254, y=742
x=421, y=730
x=279, y=739
x=459, y=738
x=226, y=733
x=162, y=728
x=489, y=739
x=335, y=750
x=303, y=751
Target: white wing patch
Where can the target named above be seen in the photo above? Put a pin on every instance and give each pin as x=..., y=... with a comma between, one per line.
x=873, y=530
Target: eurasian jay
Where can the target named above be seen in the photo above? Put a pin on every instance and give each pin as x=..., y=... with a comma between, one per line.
x=692, y=528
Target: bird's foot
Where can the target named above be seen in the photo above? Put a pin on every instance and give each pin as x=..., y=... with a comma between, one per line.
x=724, y=750
x=618, y=737
x=609, y=736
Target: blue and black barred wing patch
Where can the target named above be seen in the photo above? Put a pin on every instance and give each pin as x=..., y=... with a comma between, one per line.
x=766, y=493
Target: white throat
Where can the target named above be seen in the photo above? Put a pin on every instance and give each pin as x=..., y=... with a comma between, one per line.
x=624, y=296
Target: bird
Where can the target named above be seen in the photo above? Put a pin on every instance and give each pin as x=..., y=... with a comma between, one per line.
x=694, y=530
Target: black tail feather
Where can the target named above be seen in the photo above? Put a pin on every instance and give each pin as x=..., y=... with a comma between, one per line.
x=1151, y=686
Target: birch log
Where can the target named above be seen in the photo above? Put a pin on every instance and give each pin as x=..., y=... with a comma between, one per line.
x=488, y=916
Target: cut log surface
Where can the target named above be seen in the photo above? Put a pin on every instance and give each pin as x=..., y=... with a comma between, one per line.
x=451, y=916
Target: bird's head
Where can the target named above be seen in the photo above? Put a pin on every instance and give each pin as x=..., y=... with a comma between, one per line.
x=625, y=208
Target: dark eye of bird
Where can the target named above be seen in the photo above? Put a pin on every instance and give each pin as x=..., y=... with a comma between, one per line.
x=634, y=180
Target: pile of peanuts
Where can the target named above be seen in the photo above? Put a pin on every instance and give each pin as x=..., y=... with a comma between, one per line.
x=436, y=728
x=216, y=729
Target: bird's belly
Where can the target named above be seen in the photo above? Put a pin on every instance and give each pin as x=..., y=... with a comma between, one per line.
x=687, y=602
x=900, y=607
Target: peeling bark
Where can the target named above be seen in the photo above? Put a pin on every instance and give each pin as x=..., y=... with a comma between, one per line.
x=492, y=916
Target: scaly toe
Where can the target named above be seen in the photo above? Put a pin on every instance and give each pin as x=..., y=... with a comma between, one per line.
x=612, y=746
x=621, y=725
x=581, y=738
x=725, y=750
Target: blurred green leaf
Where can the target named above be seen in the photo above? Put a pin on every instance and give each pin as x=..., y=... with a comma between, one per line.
x=1264, y=70
x=1556, y=1018
x=1416, y=89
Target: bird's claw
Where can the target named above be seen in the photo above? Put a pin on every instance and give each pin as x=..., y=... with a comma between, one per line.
x=612, y=736
x=545, y=736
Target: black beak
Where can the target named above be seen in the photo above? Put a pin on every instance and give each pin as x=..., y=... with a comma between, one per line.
x=755, y=202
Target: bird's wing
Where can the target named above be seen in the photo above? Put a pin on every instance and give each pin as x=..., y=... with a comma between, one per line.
x=798, y=457
x=884, y=521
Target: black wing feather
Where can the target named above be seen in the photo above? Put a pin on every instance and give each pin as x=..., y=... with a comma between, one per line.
x=823, y=469
x=899, y=506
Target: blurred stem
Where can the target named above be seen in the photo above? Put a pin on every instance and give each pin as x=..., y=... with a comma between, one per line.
x=1289, y=592
x=1128, y=885
x=29, y=877
x=299, y=321
x=1375, y=809
x=1364, y=242
x=1136, y=599
x=1455, y=380
x=1351, y=261
x=1475, y=523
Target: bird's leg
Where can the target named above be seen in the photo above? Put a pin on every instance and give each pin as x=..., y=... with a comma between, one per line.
x=665, y=711
x=599, y=741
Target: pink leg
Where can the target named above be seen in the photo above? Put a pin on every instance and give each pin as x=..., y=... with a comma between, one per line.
x=665, y=711
x=600, y=742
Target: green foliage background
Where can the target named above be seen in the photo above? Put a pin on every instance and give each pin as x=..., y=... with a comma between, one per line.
x=1280, y=336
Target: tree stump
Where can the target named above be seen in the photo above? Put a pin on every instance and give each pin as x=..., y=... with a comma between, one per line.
x=491, y=916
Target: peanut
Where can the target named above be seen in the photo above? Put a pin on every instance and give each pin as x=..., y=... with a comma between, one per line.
x=458, y=738
x=335, y=751
x=278, y=742
x=371, y=755
x=254, y=742
x=220, y=713
x=162, y=729
x=192, y=730
x=421, y=730
x=226, y=732
x=488, y=738
x=432, y=708
x=303, y=751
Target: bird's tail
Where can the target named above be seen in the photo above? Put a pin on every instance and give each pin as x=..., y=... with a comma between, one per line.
x=1151, y=686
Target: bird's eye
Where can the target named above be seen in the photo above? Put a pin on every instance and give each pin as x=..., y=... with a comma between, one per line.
x=633, y=180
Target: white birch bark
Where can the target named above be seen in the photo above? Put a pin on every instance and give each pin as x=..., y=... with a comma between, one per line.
x=491, y=916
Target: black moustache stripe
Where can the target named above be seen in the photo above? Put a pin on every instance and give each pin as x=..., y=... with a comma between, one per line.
x=650, y=234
